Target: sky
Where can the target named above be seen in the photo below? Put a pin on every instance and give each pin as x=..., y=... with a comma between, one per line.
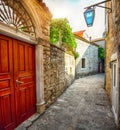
x=73, y=11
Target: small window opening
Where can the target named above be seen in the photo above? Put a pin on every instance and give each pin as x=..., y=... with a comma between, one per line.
x=83, y=62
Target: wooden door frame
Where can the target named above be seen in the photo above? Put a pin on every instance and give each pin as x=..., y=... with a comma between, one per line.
x=6, y=30
x=9, y=31
x=40, y=104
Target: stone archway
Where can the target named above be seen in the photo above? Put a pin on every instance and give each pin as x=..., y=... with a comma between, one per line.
x=15, y=15
x=29, y=16
x=40, y=15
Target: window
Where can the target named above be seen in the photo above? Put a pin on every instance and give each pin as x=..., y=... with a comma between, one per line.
x=83, y=62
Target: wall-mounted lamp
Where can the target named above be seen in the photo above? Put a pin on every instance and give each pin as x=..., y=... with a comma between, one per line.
x=89, y=13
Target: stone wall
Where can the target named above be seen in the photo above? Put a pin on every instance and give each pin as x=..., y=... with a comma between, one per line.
x=109, y=42
x=112, y=40
x=56, y=79
x=56, y=75
x=116, y=41
x=112, y=46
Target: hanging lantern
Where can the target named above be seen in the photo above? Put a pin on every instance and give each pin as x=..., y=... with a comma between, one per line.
x=89, y=15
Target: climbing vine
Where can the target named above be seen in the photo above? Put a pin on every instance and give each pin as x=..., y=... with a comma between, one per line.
x=101, y=53
x=61, y=34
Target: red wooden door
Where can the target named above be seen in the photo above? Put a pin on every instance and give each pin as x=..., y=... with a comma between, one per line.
x=24, y=79
x=17, y=82
x=7, y=106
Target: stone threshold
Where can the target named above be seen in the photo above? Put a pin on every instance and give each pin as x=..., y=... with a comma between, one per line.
x=28, y=122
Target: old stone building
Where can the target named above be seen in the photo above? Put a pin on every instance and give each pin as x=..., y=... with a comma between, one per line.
x=24, y=49
x=113, y=56
x=87, y=62
x=32, y=71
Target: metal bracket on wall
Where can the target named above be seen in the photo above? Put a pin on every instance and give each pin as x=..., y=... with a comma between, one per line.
x=98, y=5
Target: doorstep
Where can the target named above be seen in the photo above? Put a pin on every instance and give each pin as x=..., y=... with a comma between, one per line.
x=28, y=122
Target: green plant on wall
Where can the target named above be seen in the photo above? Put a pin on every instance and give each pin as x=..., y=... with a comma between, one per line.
x=101, y=53
x=61, y=33
x=76, y=55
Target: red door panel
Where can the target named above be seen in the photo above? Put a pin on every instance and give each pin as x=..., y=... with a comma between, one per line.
x=7, y=116
x=17, y=99
x=24, y=71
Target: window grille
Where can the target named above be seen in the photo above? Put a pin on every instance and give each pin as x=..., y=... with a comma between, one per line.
x=13, y=13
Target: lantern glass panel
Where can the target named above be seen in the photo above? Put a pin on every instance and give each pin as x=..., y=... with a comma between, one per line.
x=89, y=17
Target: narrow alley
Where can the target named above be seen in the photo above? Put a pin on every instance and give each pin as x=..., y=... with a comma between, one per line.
x=83, y=106
x=48, y=45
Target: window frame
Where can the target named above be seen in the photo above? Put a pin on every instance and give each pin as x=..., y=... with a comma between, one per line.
x=83, y=66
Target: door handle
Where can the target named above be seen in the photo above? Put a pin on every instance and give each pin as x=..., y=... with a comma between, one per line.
x=18, y=82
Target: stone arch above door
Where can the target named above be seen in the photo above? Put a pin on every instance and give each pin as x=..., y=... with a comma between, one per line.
x=40, y=16
x=15, y=15
x=29, y=16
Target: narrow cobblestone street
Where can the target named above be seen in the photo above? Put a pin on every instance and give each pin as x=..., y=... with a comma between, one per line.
x=83, y=106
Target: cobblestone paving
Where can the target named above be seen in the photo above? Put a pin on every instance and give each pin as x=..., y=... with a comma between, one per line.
x=83, y=106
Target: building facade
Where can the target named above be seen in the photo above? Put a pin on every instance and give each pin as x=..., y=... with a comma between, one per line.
x=87, y=62
x=113, y=57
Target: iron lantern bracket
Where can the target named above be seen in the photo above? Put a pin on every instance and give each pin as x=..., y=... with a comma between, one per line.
x=98, y=5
